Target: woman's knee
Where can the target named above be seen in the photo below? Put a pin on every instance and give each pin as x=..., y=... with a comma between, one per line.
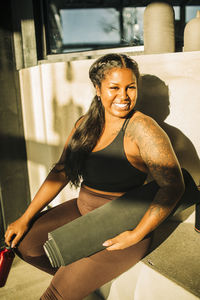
x=31, y=245
x=36, y=257
x=29, y=250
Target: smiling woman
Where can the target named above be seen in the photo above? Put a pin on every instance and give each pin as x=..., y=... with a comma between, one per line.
x=110, y=152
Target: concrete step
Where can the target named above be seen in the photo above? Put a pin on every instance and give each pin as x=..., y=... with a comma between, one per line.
x=170, y=271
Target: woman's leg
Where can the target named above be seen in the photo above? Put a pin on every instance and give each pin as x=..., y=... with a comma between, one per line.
x=79, y=279
x=31, y=248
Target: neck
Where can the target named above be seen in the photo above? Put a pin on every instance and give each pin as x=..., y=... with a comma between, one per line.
x=110, y=119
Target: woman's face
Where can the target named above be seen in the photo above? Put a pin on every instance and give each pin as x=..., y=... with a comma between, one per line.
x=118, y=92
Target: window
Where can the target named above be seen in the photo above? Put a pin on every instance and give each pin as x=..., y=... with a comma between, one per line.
x=133, y=25
x=83, y=29
x=78, y=26
x=191, y=12
x=71, y=29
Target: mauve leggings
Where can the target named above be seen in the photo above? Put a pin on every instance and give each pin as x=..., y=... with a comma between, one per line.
x=79, y=279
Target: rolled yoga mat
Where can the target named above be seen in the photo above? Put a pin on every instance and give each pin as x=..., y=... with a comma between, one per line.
x=84, y=236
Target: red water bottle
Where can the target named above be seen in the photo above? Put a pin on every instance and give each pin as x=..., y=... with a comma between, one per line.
x=6, y=258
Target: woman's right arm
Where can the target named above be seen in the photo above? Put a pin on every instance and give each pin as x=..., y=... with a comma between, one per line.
x=50, y=188
x=55, y=181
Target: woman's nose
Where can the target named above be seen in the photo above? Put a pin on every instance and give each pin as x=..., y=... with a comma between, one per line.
x=123, y=93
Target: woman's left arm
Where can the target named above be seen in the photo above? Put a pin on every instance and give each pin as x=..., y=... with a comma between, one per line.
x=160, y=159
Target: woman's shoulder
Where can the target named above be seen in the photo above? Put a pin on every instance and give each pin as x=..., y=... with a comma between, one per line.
x=141, y=124
x=140, y=119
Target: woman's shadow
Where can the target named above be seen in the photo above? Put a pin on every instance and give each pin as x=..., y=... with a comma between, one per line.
x=153, y=100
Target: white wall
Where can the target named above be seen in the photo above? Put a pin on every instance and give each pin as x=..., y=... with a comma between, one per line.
x=55, y=95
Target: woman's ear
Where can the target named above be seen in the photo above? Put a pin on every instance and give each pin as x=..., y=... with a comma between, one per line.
x=98, y=92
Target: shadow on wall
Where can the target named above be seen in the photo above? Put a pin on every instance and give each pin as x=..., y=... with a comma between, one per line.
x=153, y=100
x=42, y=105
x=63, y=119
x=65, y=116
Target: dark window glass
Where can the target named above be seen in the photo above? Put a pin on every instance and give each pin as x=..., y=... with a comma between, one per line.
x=81, y=29
x=88, y=28
x=133, y=25
x=191, y=12
x=177, y=13
x=73, y=26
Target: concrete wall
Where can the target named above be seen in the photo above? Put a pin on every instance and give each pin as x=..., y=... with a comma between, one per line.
x=55, y=95
x=14, y=187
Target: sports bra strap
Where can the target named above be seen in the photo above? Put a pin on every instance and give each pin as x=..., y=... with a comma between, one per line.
x=127, y=121
x=125, y=124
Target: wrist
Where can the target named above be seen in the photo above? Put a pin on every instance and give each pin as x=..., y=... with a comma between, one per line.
x=137, y=235
x=25, y=218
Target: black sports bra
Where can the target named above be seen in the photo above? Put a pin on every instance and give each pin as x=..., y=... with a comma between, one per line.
x=109, y=169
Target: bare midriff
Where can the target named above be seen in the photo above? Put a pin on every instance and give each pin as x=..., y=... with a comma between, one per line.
x=103, y=192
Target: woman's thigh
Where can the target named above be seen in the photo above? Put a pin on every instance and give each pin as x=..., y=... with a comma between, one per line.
x=79, y=279
x=31, y=246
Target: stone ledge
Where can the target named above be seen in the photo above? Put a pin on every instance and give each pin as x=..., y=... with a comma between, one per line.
x=177, y=257
x=172, y=267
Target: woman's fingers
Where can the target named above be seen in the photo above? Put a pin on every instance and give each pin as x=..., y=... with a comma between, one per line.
x=8, y=236
x=13, y=238
x=121, y=241
x=16, y=239
x=115, y=246
x=14, y=233
x=108, y=243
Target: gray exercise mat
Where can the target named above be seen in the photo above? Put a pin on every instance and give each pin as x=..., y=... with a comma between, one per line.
x=84, y=236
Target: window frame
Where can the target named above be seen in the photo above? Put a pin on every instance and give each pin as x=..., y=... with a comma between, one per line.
x=28, y=18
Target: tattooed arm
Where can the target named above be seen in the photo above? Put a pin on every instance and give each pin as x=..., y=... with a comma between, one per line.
x=160, y=159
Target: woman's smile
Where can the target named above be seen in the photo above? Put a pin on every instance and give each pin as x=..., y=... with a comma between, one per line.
x=122, y=106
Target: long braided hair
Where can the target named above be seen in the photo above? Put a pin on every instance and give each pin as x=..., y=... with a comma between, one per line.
x=90, y=129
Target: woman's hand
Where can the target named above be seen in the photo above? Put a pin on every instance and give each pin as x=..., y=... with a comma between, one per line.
x=122, y=241
x=15, y=231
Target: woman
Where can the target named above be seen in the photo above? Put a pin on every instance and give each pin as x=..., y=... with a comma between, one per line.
x=112, y=148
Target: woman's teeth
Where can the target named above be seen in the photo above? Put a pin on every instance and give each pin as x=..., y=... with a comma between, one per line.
x=121, y=105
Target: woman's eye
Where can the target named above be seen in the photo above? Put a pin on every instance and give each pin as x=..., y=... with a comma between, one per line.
x=113, y=87
x=132, y=87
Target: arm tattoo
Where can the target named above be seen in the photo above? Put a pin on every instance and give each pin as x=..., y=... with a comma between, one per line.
x=158, y=155
x=155, y=149
x=155, y=211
